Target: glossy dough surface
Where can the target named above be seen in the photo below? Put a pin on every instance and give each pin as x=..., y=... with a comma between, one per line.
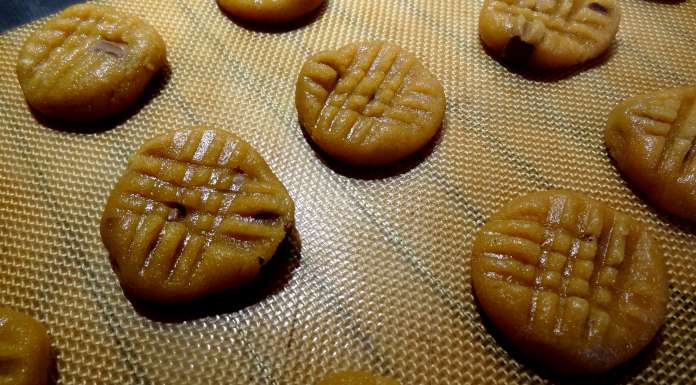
x=269, y=11
x=24, y=349
x=652, y=138
x=369, y=103
x=577, y=286
x=356, y=378
x=548, y=33
x=197, y=211
x=89, y=62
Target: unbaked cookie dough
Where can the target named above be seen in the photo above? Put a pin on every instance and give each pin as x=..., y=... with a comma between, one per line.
x=574, y=284
x=197, y=211
x=652, y=138
x=548, y=33
x=269, y=11
x=88, y=62
x=369, y=103
x=24, y=349
x=356, y=378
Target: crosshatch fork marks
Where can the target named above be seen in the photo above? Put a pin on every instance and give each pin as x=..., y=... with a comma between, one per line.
x=652, y=138
x=575, y=270
x=552, y=218
x=564, y=20
x=75, y=40
x=371, y=86
x=369, y=103
x=683, y=133
x=211, y=210
x=190, y=191
x=407, y=361
x=675, y=123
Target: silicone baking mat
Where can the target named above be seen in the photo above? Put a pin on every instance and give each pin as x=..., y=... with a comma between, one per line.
x=376, y=275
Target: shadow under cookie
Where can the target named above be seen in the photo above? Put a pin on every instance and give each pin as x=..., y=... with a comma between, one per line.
x=556, y=74
x=683, y=224
x=622, y=374
x=274, y=277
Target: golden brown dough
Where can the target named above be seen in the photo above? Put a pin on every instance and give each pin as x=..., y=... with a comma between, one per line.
x=24, y=349
x=572, y=283
x=197, y=211
x=548, y=33
x=356, y=378
x=369, y=103
x=269, y=11
x=89, y=62
x=652, y=138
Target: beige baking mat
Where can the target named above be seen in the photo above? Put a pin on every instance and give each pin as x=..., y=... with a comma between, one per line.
x=377, y=275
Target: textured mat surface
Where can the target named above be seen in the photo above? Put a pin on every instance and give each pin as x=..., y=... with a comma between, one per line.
x=376, y=276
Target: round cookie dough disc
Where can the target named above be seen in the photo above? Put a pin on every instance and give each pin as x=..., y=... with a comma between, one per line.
x=574, y=284
x=89, y=62
x=197, y=211
x=24, y=349
x=269, y=11
x=369, y=103
x=546, y=33
x=356, y=378
x=652, y=138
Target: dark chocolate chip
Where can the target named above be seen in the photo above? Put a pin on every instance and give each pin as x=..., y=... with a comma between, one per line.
x=587, y=238
x=178, y=212
x=598, y=7
x=518, y=51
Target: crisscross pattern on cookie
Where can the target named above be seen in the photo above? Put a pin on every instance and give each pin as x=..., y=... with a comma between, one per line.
x=366, y=93
x=583, y=21
x=670, y=121
x=653, y=140
x=84, y=39
x=187, y=192
x=562, y=32
x=569, y=253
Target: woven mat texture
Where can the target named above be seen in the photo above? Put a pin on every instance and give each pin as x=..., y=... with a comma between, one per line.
x=376, y=276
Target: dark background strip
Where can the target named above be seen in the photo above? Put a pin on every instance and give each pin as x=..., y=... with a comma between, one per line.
x=17, y=12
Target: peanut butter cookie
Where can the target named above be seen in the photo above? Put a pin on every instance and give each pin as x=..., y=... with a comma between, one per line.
x=197, y=211
x=24, y=349
x=369, y=103
x=652, y=138
x=548, y=33
x=88, y=62
x=356, y=378
x=269, y=11
x=571, y=282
